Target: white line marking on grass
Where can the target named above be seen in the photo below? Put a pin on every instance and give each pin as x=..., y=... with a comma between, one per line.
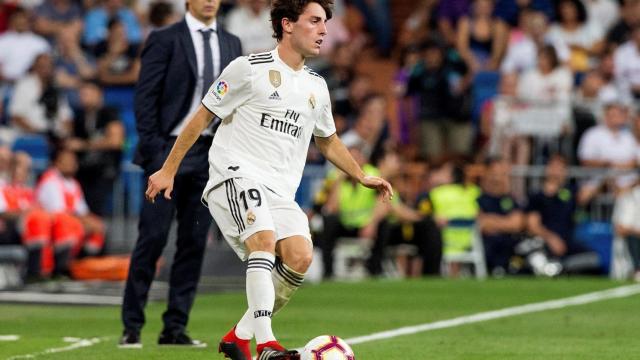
x=67, y=299
x=615, y=293
x=9, y=337
x=81, y=343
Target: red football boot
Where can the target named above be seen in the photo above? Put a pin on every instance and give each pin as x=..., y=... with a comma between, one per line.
x=235, y=348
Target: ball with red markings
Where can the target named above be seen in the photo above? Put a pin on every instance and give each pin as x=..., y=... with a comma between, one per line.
x=327, y=347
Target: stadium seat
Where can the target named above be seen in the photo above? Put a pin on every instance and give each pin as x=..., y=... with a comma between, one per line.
x=349, y=257
x=475, y=256
x=36, y=146
x=119, y=97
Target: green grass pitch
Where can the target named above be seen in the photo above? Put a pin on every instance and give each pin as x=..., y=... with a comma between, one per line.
x=608, y=329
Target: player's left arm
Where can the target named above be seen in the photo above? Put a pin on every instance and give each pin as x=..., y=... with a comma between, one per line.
x=334, y=150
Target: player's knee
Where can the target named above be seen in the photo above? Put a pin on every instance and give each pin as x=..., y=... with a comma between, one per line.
x=261, y=241
x=299, y=261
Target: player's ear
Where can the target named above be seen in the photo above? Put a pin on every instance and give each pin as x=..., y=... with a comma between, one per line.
x=287, y=25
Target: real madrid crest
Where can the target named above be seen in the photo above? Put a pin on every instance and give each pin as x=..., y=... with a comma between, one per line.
x=251, y=217
x=312, y=101
x=275, y=78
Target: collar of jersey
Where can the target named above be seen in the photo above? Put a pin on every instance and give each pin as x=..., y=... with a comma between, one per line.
x=284, y=64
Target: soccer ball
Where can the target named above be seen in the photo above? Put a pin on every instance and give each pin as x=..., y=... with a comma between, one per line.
x=327, y=347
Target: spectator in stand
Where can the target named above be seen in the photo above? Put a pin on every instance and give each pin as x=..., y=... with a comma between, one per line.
x=98, y=136
x=626, y=59
x=38, y=106
x=370, y=130
x=509, y=12
x=72, y=66
x=377, y=15
x=161, y=14
x=349, y=106
x=476, y=40
x=629, y=18
x=405, y=130
x=24, y=44
x=549, y=83
x=340, y=72
x=573, y=28
x=550, y=216
x=501, y=219
x=96, y=23
x=158, y=13
x=118, y=61
x=6, y=9
x=421, y=25
x=625, y=219
x=521, y=55
x=440, y=84
x=5, y=164
x=495, y=138
x=54, y=16
x=250, y=21
x=60, y=195
x=612, y=146
x=602, y=14
x=449, y=13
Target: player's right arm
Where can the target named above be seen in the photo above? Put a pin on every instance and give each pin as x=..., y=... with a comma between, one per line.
x=231, y=90
x=163, y=178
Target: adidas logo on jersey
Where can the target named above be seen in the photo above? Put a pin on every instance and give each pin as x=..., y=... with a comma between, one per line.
x=275, y=96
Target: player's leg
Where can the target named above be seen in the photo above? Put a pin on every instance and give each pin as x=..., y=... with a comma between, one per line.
x=294, y=256
x=240, y=207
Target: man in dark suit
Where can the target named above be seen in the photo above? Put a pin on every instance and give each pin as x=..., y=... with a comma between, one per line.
x=179, y=64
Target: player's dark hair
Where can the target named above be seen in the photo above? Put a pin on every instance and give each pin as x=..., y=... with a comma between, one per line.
x=291, y=9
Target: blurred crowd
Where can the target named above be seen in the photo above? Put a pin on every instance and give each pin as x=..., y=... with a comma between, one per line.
x=484, y=96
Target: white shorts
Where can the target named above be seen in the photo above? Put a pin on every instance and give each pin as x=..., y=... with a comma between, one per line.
x=241, y=207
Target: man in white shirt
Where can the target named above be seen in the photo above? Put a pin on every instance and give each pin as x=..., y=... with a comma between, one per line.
x=24, y=46
x=610, y=145
x=38, y=106
x=626, y=64
x=271, y=105
x=251, y=23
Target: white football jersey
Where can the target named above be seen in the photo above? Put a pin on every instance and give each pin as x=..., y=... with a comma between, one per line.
x=269, y=113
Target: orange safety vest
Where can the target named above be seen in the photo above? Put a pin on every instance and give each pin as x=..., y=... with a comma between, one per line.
x=71, y=196
x=18, y=197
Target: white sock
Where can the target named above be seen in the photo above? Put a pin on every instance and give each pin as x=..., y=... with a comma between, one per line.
x=261, y=294
x=285, y=281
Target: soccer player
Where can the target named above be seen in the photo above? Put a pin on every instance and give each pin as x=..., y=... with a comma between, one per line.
x=270, y=105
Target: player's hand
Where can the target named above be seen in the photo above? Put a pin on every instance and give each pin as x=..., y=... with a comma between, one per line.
x=380, y=184
x=160, y=180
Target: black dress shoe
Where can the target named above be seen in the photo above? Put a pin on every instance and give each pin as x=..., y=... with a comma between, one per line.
x=130, y=340
x=180, y=339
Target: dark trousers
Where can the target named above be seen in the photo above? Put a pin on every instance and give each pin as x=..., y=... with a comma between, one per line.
x=333, y=229
x=426, y=238
x=194, y=221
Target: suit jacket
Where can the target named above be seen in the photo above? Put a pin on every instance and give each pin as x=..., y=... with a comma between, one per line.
x=165, y=87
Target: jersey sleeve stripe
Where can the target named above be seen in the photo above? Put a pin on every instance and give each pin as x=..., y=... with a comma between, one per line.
x=260, y=62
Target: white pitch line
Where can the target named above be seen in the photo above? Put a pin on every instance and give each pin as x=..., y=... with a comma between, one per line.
x=615, y=293
x=9, y=337
x=81, y=343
